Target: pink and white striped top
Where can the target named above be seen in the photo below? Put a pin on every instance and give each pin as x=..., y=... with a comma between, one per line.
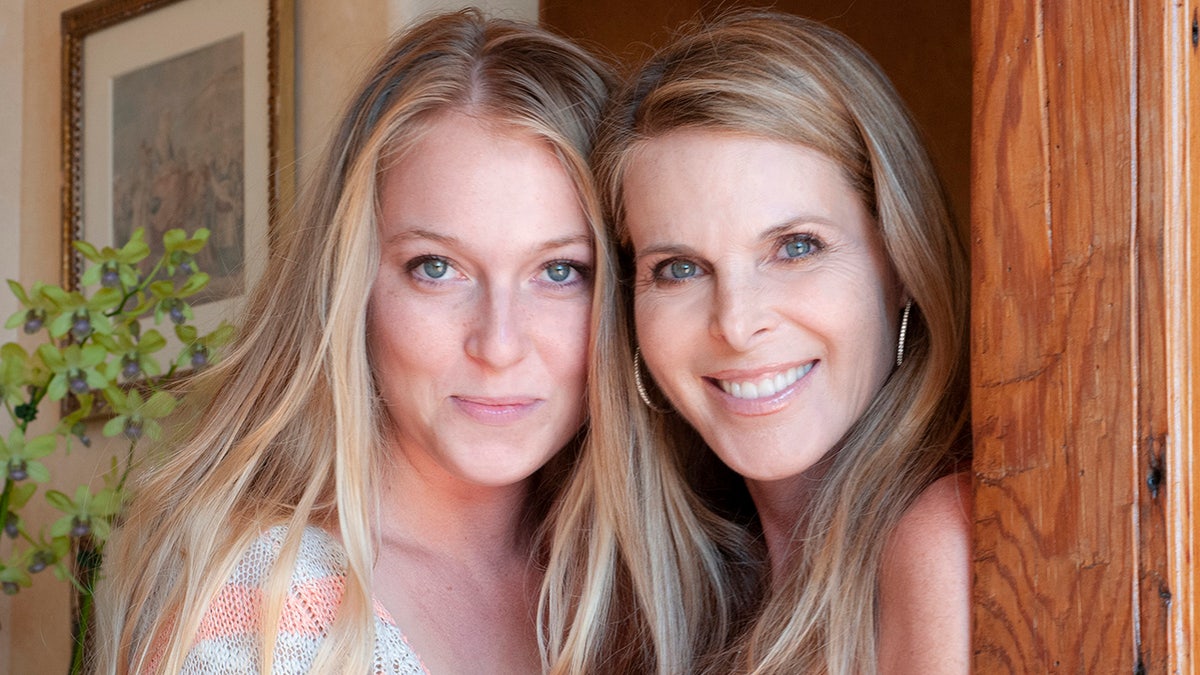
x=227, y=641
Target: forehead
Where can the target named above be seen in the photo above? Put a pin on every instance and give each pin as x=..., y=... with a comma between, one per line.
x=692, y=180
x=466, y=175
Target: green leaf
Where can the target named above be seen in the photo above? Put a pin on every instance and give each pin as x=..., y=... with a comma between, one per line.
x=221, y=335
x=106, y=502
x=162, y=289
x=12, y=351
x=40, y=446
x=58, y=297
x=60, y=325
x=173, y=238
x=101, y=529
x=152, y=341
x=92, y=354
x=19, y=291
x=60, y=501
x=152, y=429
x=87, y=250
x=60, y=547
x=91, y=276
x=101, y=324
x=57, y=388
x=52, y=356
x=117, y=400
x=16, y=574
x=114, y=426
x=61, y=572
x=96, y=380
x=135, y=249
x=160, y=404
x=186, y=333
x=20, y=495
x=38, y=472
x=109, y=343
x=105, y=299
x=110, y=371
x=62, y=526
x=195, y=284
x=128, y=274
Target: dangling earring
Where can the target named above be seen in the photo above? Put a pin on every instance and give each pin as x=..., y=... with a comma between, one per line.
x=637, y=379
x=903, y=331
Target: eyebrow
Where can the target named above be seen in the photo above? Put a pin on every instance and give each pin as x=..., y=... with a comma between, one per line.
x=430, y=235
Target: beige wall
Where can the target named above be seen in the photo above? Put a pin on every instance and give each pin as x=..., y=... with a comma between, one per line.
x=334, y=41
x=11, y=62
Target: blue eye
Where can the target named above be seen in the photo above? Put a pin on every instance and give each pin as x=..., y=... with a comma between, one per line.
x=675, y=270
x=431, y=268
x=559, y=272
x=800, y=246
x=681, y=269
x=435, y=268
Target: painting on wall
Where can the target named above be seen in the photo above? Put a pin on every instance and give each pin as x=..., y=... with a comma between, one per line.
x=178, y=114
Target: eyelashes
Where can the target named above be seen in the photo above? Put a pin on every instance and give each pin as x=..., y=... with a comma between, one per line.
x=431, y=268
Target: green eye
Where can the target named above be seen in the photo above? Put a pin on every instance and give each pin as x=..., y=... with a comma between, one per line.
x=434, y=268
x=682, y=269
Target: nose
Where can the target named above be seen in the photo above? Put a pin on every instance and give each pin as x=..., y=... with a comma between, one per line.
x=741, y=311
x=497, y=334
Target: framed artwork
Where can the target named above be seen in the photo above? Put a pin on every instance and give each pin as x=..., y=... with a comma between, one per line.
x=179, y=114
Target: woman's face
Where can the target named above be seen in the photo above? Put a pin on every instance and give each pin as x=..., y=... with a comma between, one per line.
x=479, y=316
x=766, y=308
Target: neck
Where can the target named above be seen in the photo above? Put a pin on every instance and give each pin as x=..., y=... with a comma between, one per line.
x=432, y=513
x=783, y=509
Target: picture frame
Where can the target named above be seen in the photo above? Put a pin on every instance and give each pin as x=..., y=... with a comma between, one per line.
x=179, y=113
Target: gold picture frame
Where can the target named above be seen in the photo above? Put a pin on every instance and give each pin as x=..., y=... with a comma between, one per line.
x=179, y=113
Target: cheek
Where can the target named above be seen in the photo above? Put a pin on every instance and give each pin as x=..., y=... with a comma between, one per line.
x=401, y=333
x=563, y=340
x=663, y=330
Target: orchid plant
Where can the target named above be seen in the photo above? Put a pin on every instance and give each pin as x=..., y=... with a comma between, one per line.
x=102, y=353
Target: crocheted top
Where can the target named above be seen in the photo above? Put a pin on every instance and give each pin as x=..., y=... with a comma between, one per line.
x=227, y=641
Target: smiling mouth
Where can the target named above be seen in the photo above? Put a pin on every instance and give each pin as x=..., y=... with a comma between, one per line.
x=765, y=386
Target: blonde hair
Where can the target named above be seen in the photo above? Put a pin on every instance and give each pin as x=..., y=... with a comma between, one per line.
x=788, y=79
x=287, y=428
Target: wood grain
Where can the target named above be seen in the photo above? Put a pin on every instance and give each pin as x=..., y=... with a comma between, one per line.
x=1081, y=339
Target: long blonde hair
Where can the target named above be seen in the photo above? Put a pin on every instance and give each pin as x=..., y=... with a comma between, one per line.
x=286, y=429
x=788, y=79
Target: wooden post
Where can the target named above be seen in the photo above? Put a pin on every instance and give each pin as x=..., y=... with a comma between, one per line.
x=1083, y=332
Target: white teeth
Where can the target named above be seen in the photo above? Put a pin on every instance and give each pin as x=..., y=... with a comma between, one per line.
x=767, y=386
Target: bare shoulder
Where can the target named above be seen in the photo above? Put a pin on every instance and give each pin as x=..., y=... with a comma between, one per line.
x=941, y=515
x=925, y=583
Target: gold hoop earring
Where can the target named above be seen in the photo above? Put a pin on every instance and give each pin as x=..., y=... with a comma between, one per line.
x=641, y=387
x=903, y=332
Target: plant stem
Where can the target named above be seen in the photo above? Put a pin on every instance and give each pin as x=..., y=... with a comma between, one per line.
x=87, y=568
x=120, y=308
x=128, y=466
x=4, y=497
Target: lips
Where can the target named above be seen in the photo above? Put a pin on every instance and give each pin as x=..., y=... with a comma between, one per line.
x=497, y=411
x=766, y=385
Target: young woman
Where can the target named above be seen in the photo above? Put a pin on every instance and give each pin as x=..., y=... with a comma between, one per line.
x=800, y=301
x=365, y=483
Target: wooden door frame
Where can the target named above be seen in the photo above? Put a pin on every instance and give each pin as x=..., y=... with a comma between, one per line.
x=1086, y=281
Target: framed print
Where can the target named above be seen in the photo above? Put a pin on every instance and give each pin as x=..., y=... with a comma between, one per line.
x=179, y=114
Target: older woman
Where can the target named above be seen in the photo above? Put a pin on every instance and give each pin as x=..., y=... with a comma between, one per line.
x=800, y=300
